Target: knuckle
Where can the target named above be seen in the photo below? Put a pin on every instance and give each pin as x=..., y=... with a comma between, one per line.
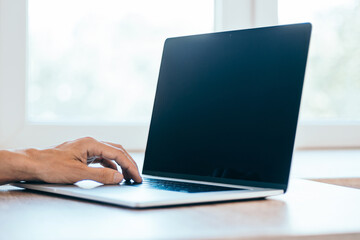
x=87, y=139
x=31, y=153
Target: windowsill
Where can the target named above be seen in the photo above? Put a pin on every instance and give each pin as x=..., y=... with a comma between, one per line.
x=315, y=164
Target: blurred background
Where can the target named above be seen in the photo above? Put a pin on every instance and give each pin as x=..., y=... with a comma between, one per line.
x=90, y=67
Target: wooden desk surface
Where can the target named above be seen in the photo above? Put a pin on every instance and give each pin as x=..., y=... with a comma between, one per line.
x=309, y=209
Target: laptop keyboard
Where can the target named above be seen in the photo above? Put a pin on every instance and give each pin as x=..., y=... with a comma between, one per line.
x=179, y=186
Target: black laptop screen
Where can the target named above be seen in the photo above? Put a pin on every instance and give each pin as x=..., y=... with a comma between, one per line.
x=227, y=104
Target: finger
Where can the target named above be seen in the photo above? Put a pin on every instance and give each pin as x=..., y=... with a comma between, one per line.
x=125, y=173
x=105, y=163
x=126, y=176
x=125, y=152
x=102, y=175
x=108, y=164
x=95, y=148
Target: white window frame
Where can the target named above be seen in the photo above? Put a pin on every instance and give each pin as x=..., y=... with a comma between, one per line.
x=15, y=131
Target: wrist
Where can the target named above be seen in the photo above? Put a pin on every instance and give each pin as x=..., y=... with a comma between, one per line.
x=15, y=166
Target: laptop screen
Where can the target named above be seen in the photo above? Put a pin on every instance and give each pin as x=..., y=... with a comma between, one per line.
x=227, y=105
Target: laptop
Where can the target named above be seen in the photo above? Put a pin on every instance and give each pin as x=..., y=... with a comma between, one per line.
x=223, y=124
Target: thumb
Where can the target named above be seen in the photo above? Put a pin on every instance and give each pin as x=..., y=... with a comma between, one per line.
x=103, y=175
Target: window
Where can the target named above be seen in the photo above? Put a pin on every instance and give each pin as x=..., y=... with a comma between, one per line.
x=332, y=83
x=100, y=63
x=63, y=70
x=330, y=113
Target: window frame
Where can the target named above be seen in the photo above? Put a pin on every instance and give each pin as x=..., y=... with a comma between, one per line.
x=16, y=132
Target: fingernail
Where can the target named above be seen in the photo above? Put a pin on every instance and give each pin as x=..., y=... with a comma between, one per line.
x=118, y=177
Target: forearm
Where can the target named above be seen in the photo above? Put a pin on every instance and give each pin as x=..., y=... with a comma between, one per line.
x=14, y=166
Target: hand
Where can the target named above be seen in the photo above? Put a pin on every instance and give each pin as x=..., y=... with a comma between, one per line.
x=67, y=163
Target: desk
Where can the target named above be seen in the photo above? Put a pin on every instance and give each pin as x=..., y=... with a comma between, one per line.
x=308, y=210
